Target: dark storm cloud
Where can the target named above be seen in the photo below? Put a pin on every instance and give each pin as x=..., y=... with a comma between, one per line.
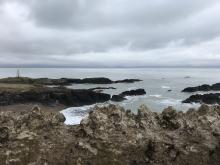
x=122, y=32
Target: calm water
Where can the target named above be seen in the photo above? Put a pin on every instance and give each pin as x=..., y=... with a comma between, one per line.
x=156, y=82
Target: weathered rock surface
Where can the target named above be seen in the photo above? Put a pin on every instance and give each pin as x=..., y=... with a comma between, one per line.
x=63, y=81
x=52, y=96
x=100, y=89
x=111, y=135
x=134, y=92
x=211, y=98
x=127, y=81
x=121, y=96
x=118, y=98
x=205, y=87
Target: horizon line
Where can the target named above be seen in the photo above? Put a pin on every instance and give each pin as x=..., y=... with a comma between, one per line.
x=104, y=67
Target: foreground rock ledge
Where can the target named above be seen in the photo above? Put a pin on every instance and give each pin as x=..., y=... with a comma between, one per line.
x=111, y=135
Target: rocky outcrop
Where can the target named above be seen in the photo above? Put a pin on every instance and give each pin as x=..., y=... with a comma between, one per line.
x=52, y=96
x=118, y=98
x=63, y=81
x=211, y=98
x=205, y=87
x=121, y=96
x=111, y=135
x=134, y=92
x=100, y=89
x=127, y=81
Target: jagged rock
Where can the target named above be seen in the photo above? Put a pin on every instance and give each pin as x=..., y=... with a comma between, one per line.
x=203, y=109
x=169, y=113
x=143, y=112
x=204, y=87
x=60, y=117
x=26, y=135
x=101, y=88
x=111, y=135
x=63, y=81
x=4, y=134
x=88, y=147
x=98, y=80
x=134, y=92
x=118, y=98
x=127, y=81
x=211, y=98
x=168, y=119
x=146, y=118
x=53, y=96
x=121, y=96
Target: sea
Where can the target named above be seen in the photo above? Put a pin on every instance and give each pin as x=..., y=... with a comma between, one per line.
x=156, y=82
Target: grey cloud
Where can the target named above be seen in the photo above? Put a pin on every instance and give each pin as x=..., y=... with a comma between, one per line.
x=85, y=32
x=99, y=13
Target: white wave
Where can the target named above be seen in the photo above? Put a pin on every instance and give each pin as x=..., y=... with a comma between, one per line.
x=135, y=97
x=192, y=105
x=165, y=87
x=132, y=88
x=131, y=99
x=156, y=95
x=74, y=115
x=170, y=102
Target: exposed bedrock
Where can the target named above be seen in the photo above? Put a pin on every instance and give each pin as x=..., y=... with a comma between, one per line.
x=63, y=81
x=134, y=92
x=118, y=98
x=111, y=135
x=205, y=87
x=211, y=98
x=52, y=96
x=121, y=96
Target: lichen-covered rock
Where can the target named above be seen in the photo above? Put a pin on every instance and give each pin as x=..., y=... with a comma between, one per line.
x=146, y=118
x=4, y=134
x=169, y=119
x=111, y=135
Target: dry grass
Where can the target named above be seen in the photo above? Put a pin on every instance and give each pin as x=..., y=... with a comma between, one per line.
x=16, y=87
x=29, y=106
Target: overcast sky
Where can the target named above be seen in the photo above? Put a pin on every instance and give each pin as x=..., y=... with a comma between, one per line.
x=109, y=33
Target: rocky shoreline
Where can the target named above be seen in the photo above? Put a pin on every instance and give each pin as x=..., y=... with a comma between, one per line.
x=52, y=96
x=63, y=81
x=55, y=96
x=24, y=90
x=207, y=98
x=111, y=135
x=210, y=98
x=52, y=92
x=204, y=87
x=121, y=96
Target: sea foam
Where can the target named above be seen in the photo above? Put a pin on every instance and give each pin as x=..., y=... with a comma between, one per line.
x=165, y=87
x=74, y=115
